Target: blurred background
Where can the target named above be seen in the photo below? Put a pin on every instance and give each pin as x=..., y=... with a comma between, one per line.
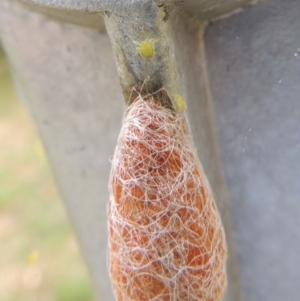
x=39, y=252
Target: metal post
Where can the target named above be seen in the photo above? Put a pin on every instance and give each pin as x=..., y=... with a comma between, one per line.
x=67, y=76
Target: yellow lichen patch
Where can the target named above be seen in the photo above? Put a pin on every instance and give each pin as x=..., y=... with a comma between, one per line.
x=179, y=103
x=146, y=48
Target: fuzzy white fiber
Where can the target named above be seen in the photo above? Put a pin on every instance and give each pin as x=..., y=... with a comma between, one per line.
x=166, y=239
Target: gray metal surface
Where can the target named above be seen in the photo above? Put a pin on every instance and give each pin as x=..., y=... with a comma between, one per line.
x=254, y=65
x=203, y=9
x=67, y=76
x=72, y=91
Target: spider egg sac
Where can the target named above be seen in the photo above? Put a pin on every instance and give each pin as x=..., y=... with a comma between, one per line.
x=166, y=239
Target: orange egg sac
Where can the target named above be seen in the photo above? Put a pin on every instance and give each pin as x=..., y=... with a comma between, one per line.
x=166, y=239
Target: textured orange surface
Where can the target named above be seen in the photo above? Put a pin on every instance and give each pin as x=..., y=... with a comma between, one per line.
x=166, y=240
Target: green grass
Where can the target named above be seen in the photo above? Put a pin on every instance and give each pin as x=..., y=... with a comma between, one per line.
x=74, y=288
x=32, y=216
